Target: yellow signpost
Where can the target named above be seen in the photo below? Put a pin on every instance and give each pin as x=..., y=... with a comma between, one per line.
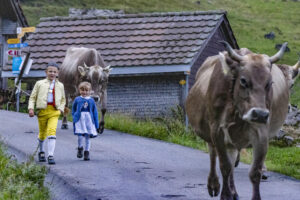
x=22, y=30
x=20, y=35
x=28, y=29
x=13, y=41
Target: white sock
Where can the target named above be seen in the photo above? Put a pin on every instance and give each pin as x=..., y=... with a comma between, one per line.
x=41, y=145
x=80, y=138
x=87, y=142
x=51, y=146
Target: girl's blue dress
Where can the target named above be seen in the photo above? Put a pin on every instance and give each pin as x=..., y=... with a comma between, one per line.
x=85, y=116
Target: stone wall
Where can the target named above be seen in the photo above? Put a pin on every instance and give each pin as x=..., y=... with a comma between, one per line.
x=144, y=96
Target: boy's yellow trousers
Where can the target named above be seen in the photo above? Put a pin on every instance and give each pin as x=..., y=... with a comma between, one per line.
x=48, y=119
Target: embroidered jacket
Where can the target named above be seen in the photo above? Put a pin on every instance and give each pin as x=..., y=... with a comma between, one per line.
x=39, y=95
x=78, y=105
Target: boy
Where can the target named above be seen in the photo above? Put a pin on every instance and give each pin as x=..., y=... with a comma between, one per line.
x=48, y=96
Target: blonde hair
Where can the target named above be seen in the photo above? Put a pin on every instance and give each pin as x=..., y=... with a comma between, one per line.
x=84, y=85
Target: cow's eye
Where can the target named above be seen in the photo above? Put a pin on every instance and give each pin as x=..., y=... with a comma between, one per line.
x=244, y=82
x=269, y=84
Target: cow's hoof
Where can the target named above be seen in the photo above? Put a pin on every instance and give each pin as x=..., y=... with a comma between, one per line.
x=101, y=127
x=64, y=126
x=213, y=187
x=236, y=197
x=237, y=161
x=101, y=130
x=264, y=177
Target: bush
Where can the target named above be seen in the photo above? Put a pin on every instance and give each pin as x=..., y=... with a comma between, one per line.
x=21, y=181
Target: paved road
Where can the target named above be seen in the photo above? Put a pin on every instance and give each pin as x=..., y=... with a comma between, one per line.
x=127, y=167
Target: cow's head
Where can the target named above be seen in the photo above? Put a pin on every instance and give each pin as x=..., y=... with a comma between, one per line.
x=293, y=72
x=252, y=82
x=96, y=75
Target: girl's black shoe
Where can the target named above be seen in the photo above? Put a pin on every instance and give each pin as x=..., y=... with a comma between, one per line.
x=42, y=157
x=86, y=155
x=51, y=160
x=79, y=152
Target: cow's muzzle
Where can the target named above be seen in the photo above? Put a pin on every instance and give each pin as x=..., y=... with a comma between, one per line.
x=257, y=115
x=96, y=98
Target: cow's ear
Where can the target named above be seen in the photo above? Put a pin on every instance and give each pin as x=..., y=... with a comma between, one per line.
x=107, y=69
x=81, y=71
x=229, y=66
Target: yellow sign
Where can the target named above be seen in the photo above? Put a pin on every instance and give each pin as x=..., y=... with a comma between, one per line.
x=182, y=82
x=13, y=41
x=28, y=29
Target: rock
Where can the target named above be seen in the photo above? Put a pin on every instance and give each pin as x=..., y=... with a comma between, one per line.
x=270, y=35
x=280, y=134
x=278, y=46
x=291, y=121
x=289, y=140
x=77, y=12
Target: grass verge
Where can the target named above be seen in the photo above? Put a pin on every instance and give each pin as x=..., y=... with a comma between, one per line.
x=284, y=160
x=21, y=181
x=169, y=130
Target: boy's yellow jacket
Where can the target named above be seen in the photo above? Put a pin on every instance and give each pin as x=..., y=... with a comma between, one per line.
x=39, y=95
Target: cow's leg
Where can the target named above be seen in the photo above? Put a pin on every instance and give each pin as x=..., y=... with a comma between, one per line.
x=233, y=155
x=237, y=161
x=264, y=170
x=213, y=184
x=227, y=159
x=103, y=100
x=260, y=147
x=64, y=124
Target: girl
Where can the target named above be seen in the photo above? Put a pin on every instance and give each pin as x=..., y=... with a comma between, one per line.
x=85, y=119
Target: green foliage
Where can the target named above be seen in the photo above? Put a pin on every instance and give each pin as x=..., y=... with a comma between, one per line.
x=284, y=160
x=295, y=97
x=170, y=129
x=21, y=181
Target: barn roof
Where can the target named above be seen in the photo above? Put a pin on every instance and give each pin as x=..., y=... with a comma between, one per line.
x=12, y=10
x=127, y=40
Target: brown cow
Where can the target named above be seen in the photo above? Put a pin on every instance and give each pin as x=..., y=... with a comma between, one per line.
x=290, y=72
x=239, y=99
x=85, y=64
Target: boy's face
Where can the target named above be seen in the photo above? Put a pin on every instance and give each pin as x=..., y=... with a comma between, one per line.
x=51, y=73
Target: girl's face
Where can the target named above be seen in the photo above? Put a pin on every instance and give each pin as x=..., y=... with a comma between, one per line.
x=84, y=91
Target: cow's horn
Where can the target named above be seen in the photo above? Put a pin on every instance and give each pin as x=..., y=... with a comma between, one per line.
x=231, y=52
x=279, y=54
x=85, y=66
x=297, y=65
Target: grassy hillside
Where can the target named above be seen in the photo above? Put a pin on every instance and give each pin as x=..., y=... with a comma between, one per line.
x=249, y=19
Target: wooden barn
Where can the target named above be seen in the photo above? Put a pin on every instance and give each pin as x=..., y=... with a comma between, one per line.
x=11, y=17
x=154, y=56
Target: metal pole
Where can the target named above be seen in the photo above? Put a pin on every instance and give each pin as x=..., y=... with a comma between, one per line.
x=18, y=79
x=18, y=95
x=185, y=96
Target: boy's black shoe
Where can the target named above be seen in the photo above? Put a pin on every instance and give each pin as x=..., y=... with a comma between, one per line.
x=86, y=155
x=51, y=160
x=42, y=157
x=79, y=152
